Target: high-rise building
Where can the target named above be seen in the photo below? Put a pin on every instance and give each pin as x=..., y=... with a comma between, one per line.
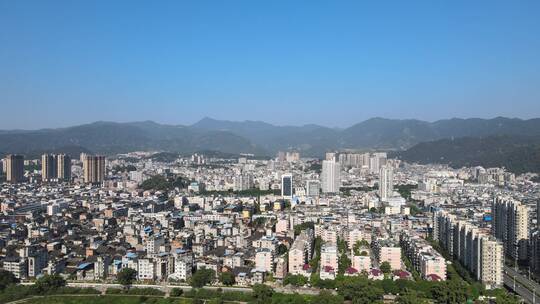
x=330, y=176
x=243, y=182
x=94, y=169
x=313, y=188
x=534, y=260
x=479, y=252
x=292, y=157
x=510, y=225
x=376, y=161
x=49, y=166
x=386, y=182
x=14, y=168
x=281, y=156
x=331, y=156
x=63, y=170
x=286, y=185
x=55, y=167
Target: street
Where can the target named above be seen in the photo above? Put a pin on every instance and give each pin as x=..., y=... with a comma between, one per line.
x=518, y=284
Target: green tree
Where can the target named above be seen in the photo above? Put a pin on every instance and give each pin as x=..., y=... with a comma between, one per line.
x=389, y=286
x=49, y=282
x=303, y=226
x=343, y=263
x=385, y=267
x=262, y=293
x=126, y=277
x=177, y=292
x=281, y=249
x=360, y=290
x=295, y=280
x=227, y=278
x=453, y=291
x=326, y=297
x=202, y=277
x=410, y=297
x=7, y=278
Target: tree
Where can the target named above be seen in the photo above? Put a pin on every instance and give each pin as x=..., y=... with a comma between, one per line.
x=452, y=291
x=49, y=282
x=126, y=276
x=385, y=267
x=202, y=277
x=360, y=290
x=295, y=280
x=262, y=293
x=360, y=244
x=227, y=278
x=281, y=249
x=325, y=297
x=7, y=278
x=410, y=297
x=177, y=292
x=343, y=263
x=303, y=226
x=389, y=286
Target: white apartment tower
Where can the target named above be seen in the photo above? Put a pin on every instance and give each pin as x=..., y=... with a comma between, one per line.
x=386, y=182
x=330, y=177
x=510, y=225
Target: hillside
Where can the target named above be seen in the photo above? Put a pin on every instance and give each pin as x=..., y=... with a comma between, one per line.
x=518, y=154
x=109, y=138
x=259, y=138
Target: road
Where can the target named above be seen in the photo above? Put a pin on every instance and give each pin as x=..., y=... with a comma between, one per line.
x=521, y=285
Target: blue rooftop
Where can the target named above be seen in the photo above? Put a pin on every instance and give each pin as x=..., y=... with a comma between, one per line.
x=83, y=266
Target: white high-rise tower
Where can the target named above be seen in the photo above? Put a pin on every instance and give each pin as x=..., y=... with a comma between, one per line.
x=330, y=177
x=386, y=182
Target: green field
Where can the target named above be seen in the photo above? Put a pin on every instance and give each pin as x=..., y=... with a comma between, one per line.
x=123, y=299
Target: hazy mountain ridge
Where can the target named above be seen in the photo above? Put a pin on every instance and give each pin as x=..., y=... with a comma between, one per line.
x=110, y=137
x=258, y=137
x=518, y=154
x=374, y=133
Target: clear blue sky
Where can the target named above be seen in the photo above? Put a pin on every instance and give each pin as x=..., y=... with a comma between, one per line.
x=333, y=63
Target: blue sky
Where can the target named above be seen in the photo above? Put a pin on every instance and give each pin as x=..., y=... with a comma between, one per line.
x=333, y=63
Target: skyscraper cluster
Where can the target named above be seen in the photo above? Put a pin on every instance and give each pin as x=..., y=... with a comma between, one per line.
x=55, y=167
x=370, y=161
x=475, y=248
x=289, y=156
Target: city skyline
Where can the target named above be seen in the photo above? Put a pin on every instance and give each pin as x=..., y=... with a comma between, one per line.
x=176, y=63
x=269, y=152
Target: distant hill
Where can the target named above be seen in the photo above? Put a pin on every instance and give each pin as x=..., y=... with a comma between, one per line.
x=518, y=154
x=311, y=139
x=110, y=137
x=375, y=133
x=259, y=138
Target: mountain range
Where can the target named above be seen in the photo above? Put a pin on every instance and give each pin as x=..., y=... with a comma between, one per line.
x=258, y=137
x=518, y=154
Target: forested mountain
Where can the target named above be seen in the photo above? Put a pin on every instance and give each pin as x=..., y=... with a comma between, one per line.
x=518, y=154
x=256, y=137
